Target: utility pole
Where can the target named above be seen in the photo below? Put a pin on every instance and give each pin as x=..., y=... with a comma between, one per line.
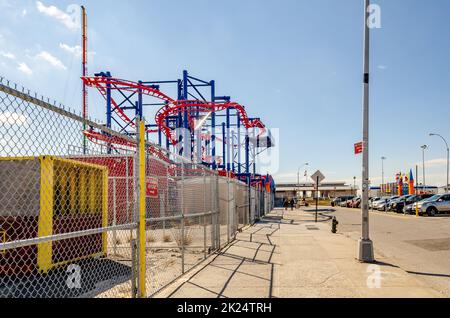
x=417, y=179
x=366, y=253
x=382, y=173
x=84, y=72
x=424, y=147
x=448, y=159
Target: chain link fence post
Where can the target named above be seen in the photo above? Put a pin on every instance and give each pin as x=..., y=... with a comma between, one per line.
x=204, y=211
x=141, y=206
x=182, y=240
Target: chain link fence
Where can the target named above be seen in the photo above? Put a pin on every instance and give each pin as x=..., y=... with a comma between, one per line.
x=106, y=217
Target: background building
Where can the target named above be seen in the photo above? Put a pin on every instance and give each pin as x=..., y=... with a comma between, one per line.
x=307, y=191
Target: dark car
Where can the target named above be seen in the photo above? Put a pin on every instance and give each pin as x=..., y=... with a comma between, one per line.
x=382, y=205
x=410, y=207
x=398, y=204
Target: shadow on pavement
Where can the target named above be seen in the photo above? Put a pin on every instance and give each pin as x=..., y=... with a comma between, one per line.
x=249, y=248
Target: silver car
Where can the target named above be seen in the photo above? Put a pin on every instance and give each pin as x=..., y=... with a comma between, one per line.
x=438, y=204
x=376, y=204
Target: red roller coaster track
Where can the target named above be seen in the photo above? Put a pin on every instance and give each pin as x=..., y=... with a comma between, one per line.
x=102, y=84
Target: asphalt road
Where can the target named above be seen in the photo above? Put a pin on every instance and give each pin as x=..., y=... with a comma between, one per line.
x=420, y=246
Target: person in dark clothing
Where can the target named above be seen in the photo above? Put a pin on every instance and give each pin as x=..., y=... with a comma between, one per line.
x=292, y=203
x=285, y=203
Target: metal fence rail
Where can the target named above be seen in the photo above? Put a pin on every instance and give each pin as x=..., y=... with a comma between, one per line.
x=107, y=219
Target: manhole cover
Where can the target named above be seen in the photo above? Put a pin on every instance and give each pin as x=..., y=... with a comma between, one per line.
x=312, y=228
x=433, y=245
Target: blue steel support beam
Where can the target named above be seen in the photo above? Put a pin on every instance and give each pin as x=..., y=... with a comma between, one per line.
x=108, y=111
x=186, y=141
x=108, y=106
x=213, y=127
x=228, y=141
x=247, y=153
x=239, y=143
x=224, y=149
x=179, y=122
x=139, y=110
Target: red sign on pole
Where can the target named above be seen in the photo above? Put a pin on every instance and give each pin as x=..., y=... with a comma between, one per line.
x=151, y=188
x=359, y=147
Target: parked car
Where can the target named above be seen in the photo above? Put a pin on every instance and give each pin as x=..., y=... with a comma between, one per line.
x=337, y=201
x=343, y=204
x=412, y=202
x=381, y=204
x=372, y=201
x=345, y=201
x=356, y=203
x=398, y=204
x=438, y=204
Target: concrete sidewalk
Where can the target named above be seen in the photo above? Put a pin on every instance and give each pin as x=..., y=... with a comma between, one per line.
x=287, y=255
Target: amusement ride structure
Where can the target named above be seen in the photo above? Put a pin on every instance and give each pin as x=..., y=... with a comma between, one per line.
x=197, y=124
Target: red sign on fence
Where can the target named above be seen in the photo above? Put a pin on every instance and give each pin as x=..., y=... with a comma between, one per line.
x=151, y=188
x=359, y=147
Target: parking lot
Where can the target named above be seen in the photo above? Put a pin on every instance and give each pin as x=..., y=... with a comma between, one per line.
x=419, y=245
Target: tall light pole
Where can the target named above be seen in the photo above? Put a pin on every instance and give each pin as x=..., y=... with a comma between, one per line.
x=424, y=147
x=298, y=179
x=448, y=159
x=366, y=253
x=382, y=172
x=298, y=173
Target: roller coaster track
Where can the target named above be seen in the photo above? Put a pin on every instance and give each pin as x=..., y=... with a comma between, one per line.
x=173, y=107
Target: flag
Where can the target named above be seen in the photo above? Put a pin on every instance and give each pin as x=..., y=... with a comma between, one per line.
x=400, y=184
x=411, y=183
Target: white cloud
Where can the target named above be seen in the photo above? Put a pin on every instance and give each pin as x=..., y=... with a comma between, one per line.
x=54, y=61
x=24, y=12
x=25, y=69
x=12, y=118
x=69, y=21
x=433, y=163
x=74, y=50
x=5, y=3
x=382, y=67
x=8, y=55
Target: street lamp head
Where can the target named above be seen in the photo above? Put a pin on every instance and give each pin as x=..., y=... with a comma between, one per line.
x=424, y=147
x=432, y=135
x=383, y=158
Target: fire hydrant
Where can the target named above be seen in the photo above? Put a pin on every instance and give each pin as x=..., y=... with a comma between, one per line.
x=334, y=225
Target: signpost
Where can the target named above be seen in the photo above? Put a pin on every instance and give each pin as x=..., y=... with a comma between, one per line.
x=317, y=177
x=151, y=190
x=359, y=148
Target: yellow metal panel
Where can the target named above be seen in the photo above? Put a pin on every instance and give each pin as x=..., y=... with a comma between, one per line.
x=105, y=210
x=142, y=223
x=45, y=227
x=3, y=238
x=62, y=181
x=82, y=189
x=73, y=189
x=81, y=164
x=91, y=191
x=17, y=158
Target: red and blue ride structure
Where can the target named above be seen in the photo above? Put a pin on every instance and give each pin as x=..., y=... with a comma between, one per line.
x=195, y=124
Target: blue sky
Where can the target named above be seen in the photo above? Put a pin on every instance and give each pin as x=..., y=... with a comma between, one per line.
x=297, y=64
